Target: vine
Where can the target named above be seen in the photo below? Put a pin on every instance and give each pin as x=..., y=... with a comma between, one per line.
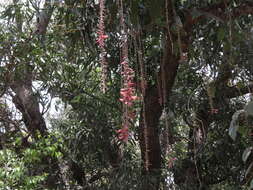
x=101, y=43
x=143, y=84
x=127, y=91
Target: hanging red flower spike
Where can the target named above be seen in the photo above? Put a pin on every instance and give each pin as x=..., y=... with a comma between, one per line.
x=127, y=91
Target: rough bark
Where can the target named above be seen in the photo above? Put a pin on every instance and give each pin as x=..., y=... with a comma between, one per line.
x=27, y=103
x=20, y=79
x=216, y=11
x=152, y=114
x=150, y=147
x=153, y=111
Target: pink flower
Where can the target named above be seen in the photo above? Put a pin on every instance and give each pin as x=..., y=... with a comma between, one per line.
x=101, y=39
x=171, y=162
x=123, y=63
x=130, y=84
x=123, y=133
x=134, y=97
x=127, y=96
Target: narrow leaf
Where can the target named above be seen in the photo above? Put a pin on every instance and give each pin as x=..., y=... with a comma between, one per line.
x=234, y=124
x=246, y=154
x=248, y=170
x=251, y=184
x=221, y=34
x=249, y=108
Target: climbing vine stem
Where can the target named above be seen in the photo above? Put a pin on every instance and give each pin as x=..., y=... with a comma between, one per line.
x=127, y=91
x=101, y=43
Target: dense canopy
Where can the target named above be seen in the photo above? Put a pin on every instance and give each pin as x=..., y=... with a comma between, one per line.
x=126, y=94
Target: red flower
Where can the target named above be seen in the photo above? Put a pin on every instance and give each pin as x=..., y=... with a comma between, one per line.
x=130, y=84
x=123, y=63
x=123, y=133
x=101, y=39
x=127, y=96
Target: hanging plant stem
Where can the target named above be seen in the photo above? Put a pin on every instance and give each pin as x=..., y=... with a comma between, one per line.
x=127, y=91
x=143, y=92
x=101, y=44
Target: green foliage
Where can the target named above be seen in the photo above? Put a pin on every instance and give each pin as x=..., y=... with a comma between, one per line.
x=208, y=92
x=14, y=173
x=246, y=154
x=24, y=170
x=234, y=124
x=249, y=108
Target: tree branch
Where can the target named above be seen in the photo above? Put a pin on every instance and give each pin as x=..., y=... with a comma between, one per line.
x=235, y=91
x=220, y=12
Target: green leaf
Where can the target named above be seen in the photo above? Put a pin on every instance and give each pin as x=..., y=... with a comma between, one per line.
x=251, y=184
x=244, y=131
x=246, y=154
x=221, y=34
x=76, y=99
x=234, y=124
x=249, y=108
x=183, y=1
x=248, y=170
x=134, y=11
x=155, y=9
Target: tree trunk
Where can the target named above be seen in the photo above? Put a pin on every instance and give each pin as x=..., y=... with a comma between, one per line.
x=150, y=146
x=27, y=103
x=151, y=152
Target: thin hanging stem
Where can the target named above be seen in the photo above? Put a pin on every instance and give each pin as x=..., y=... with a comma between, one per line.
x=127, y=91
x=143, y=92
x=101, y=43
x=168, y=24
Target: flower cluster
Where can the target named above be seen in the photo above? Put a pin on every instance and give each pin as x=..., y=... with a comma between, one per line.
x=128, y=97
x=101, y=39
x=128, y=91
x=123, y=133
